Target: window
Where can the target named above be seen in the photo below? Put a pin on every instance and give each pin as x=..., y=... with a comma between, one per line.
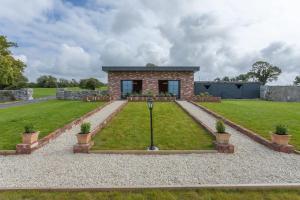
x=173, y=88
x=126, y=88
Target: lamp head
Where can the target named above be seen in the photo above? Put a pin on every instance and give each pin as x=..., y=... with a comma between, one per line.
x=150, y=103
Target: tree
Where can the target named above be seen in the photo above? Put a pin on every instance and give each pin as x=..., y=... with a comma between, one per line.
x=47, y=81
x=150, y=65
x=225, y=78
x=297, y=80
x=243, y=77
x=90, y=83
x=11, y=69
x=63, y=83
x=264, y=72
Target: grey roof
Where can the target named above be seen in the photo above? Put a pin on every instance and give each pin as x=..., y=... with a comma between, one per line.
x=156, y=68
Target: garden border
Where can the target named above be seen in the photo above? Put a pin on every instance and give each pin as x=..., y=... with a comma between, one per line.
x=254, y=136
x=221, y=148
x=85, y=148
x=26, y=149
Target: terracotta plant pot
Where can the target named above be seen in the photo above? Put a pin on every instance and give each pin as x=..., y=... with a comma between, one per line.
x=30, y=138
x=280, y=139
x=223, y=138
x=84, y=138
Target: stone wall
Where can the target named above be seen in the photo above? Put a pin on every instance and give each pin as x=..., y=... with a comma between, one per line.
x=13, y=95
x=280, y=93
x=65, y=94
x=150, y=82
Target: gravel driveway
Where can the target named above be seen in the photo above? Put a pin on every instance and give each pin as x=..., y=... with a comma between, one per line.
x=56, y=166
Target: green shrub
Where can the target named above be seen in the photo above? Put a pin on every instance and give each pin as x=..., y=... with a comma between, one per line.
x=220, y=127
x=85, y=128
x=281, y=130
x=204, y=94
x=29, y=128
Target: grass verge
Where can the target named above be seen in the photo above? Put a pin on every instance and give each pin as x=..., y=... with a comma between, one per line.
x=45, y=116
x=261, y=116
x=43, y=92
x=173, y=129
x=157, y=194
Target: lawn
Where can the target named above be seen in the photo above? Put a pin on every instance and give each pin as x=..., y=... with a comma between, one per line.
x=261, y=116
x=43, y=92
x=173, y=129
x=157, y=194
x=45, y=116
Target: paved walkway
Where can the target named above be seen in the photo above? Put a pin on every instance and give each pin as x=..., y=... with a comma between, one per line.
x=19, y=103
x=56, y=166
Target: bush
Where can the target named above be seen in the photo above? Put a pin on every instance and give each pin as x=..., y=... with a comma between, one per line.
x=220, y=127
x=204, y=94
x=85, y=128
x=29, y=128
x=281, y=130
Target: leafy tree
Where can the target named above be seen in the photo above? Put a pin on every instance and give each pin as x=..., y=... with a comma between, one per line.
x=264, y=72
x=297, y=80
x=47, y=81
x=74, y=83
x=226, y=78
x=90, y=83
x=11, y=69
x=243, y=77
x=150, y=65
x=63, y=83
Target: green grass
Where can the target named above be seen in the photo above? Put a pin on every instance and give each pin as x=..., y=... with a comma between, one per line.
x=261, y=116
x=173, y=129
x=43, y=92
x=157, y=195
x=45, y=116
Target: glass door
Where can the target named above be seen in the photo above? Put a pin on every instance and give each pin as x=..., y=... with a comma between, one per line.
x=174, y=88
x=126, y=89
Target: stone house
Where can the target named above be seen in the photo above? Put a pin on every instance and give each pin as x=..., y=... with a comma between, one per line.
x=175, y=80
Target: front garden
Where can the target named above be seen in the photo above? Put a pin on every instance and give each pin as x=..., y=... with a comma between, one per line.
x=45, y=116
x=173, y=129
x=261, y=116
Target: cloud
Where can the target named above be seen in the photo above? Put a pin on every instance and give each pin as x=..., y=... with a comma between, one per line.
x=74, y=39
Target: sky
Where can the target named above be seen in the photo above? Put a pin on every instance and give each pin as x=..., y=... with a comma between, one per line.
x=73, y=39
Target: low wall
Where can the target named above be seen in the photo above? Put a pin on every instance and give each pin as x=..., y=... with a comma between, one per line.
x=13, y=95
x=280, y=93
x=66, y=94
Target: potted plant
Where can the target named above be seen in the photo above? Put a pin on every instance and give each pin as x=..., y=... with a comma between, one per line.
x=30, y=136
x=281, y=135
x=221, y=135
x=84, y=136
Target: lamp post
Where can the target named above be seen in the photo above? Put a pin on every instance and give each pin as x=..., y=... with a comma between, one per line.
x=150, y=107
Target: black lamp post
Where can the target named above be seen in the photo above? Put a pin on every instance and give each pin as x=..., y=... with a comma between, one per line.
x=150, y=107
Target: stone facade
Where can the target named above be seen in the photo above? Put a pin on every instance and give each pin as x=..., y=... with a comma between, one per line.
x=65, y=94
x=280, y=93
x=13, y=95
x=150, y=81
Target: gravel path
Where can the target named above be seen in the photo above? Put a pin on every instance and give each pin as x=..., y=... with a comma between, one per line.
x=56, y=166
